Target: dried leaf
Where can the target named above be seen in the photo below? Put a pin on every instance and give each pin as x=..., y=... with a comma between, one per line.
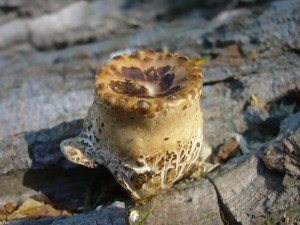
x=29, y=204
x=255, y=102
x=284, y=155
x=32, y=209
x=21, y=212
x=200, y=61
x=45, y=211
x=227, y=151
x=3, y=215
x=9, y=208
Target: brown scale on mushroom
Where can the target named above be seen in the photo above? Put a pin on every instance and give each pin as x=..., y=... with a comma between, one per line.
x=145, y=124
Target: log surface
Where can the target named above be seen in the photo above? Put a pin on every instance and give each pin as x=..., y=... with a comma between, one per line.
x=250, y=51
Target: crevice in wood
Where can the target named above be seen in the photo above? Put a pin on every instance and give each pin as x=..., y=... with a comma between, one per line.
x=225, y=80
x=225, y=213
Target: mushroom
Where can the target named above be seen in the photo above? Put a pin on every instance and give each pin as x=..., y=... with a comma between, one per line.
x=145, y=124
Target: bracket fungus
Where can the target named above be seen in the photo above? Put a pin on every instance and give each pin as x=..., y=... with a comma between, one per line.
x=145, y=124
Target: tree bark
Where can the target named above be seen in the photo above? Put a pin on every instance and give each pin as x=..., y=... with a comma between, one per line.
x=251, y=90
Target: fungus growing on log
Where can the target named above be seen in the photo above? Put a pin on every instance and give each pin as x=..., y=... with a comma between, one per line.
x=145, y=124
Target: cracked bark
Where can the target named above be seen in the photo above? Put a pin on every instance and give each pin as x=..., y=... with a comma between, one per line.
x=253, y=51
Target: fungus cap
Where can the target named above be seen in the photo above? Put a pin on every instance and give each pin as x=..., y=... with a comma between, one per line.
x=148, y=82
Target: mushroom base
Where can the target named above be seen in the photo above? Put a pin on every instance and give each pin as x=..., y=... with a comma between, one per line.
x=156, y=166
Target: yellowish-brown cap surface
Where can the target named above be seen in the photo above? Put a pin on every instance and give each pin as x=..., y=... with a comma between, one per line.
x=148, y=82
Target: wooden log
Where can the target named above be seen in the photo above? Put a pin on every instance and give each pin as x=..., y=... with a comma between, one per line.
x=252, y=194
x=187, y=203
x=253, y=52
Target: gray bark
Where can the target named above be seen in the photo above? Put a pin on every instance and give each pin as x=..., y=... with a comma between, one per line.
x=252, y=51
x=187, y=203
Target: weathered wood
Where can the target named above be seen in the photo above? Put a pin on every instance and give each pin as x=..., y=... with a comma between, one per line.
x=52, y=82
x=252, y=194
x=251, y=51
x=36, y=150
x=186, y=203
x=283, y=155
